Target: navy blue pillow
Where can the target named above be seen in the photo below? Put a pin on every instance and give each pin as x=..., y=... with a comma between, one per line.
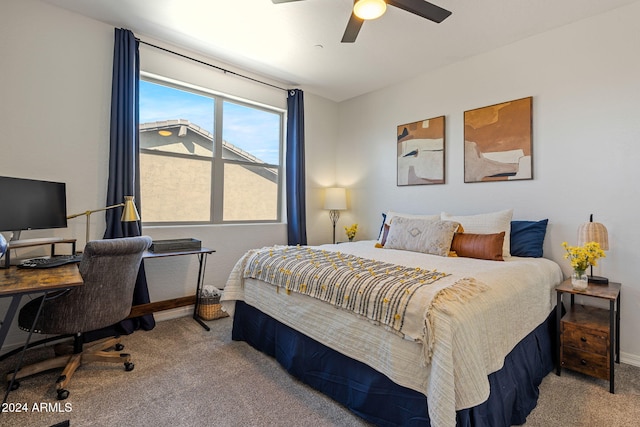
x=527, y=238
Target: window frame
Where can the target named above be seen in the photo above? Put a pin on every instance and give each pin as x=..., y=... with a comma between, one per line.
x=216, y=198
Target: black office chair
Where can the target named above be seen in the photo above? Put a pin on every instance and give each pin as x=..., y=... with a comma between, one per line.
x=109, y=269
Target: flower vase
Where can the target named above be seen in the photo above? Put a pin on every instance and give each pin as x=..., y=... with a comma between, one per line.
x=579, y=280
x=351, y=239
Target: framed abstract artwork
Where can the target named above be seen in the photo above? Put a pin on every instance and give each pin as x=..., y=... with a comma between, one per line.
x=421, y=150
x=498, y=142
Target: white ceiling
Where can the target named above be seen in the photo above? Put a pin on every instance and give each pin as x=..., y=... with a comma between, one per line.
x=298, y=43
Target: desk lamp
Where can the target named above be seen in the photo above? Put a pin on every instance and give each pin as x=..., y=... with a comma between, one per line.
x=129, y=213
x=594, y=232
x=335, y=200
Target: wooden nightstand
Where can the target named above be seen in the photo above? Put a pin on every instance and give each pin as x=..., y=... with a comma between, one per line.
x=588, y=338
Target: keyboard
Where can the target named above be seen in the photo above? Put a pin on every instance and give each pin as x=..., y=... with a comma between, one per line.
x=54, y=261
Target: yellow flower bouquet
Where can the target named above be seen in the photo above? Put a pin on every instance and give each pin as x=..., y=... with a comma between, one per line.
x=581, y=257
x=351, y=231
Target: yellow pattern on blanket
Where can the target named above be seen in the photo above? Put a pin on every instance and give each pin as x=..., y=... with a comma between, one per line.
x=380, y=291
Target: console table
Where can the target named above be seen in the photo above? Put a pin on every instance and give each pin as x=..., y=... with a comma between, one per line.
x=202, y=259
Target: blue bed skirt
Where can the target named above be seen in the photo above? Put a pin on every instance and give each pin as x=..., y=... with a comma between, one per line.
x=377, y=399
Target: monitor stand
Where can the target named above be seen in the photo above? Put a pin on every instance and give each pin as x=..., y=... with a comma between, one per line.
x=25, y=243
x=14, y=244
x=15, y=241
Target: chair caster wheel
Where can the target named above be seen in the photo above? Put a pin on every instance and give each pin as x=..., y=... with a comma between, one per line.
x=119, y=347
x=63, y=394
x=15, y=385
x=128, y=366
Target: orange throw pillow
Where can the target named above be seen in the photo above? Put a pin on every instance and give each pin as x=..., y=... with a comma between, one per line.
x=480, y=246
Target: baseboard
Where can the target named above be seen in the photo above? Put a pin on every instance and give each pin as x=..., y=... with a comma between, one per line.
x=630, y=359
x=173, y=313
x=164, y=305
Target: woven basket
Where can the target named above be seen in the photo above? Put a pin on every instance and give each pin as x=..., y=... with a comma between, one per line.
x=210, y=308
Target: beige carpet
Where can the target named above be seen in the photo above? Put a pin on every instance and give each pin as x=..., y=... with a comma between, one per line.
x=185, y=376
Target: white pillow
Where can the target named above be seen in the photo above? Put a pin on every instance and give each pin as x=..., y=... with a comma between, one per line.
x=488, y=223
x=389, y=216
x=420, y=235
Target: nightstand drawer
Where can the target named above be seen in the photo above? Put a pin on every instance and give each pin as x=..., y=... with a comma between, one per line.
x=585, y=339
x=585, y=362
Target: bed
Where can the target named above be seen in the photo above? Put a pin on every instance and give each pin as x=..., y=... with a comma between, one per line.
x=433, y=340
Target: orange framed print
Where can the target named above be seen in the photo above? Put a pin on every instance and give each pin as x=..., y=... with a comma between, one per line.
x=498, y=142
x=421, y=151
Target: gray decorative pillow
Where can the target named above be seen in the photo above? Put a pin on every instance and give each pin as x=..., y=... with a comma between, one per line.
x=419, y=235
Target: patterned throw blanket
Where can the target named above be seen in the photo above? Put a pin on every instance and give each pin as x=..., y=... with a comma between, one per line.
x=377, y=290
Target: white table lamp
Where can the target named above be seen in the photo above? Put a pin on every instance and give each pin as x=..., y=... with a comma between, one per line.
x=335, y=200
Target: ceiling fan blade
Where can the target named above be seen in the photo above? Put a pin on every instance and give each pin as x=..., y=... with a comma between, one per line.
x=352, y=30
x=282, y=1
x=422, y=8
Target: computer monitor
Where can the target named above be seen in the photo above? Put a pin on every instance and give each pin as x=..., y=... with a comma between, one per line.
x=28, y=204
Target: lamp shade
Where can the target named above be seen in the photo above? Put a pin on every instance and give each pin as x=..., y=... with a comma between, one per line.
x=593, y=232
x=335, y=199
x=369, y=9
x=129, y=212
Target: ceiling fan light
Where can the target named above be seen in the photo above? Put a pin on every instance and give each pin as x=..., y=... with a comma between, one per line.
x=369, y=9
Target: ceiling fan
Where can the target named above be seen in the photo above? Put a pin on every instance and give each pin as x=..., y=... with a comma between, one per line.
x=371, y=9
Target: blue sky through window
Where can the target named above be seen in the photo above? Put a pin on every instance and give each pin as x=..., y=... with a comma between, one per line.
x=253, y=130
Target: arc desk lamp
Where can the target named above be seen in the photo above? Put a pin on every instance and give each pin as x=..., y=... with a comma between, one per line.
x=129, y=213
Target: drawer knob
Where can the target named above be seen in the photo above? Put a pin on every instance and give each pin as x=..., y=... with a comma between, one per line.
x=583, y=339
x=583, y=362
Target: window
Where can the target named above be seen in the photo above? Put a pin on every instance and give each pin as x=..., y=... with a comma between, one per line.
x=206, y=158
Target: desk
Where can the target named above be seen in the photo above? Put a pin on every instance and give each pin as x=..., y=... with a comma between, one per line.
x=16, y=282
x=202, y=258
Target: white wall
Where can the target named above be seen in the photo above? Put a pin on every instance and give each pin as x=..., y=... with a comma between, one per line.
x=585, y=83
x=321, y=136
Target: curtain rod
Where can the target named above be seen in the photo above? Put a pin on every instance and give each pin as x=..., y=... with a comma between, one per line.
x=212, y=66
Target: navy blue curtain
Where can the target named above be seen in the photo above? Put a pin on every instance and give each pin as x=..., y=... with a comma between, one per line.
x=296, y=211
x=124, y=136
x=124, y=157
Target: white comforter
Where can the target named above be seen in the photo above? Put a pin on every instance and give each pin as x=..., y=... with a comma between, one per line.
x=471, y=339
